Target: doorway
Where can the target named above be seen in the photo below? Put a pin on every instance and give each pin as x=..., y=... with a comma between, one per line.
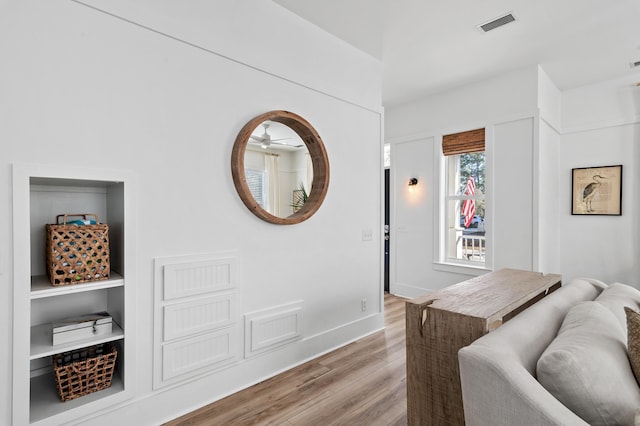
x=386, y=230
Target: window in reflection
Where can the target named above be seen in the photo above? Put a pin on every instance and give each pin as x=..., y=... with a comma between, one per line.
x=255, y=181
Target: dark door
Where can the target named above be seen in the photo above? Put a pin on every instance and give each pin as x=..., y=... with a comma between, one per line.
x=386, y=229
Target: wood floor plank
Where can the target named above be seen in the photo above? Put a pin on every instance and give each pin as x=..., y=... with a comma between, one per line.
x=363, y=390
x=363, y=383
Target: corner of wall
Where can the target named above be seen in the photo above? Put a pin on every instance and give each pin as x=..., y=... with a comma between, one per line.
x=549, y=100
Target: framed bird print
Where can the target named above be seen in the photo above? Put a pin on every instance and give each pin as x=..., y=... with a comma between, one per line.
x=596, y=191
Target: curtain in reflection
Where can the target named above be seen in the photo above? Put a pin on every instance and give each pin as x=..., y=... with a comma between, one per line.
x=273, y=177
x=309, y=172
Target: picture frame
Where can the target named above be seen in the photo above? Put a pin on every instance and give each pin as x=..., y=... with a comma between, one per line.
x=596, y=191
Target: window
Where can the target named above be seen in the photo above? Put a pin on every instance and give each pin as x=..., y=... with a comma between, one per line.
x=257, y=187
x=464, y=222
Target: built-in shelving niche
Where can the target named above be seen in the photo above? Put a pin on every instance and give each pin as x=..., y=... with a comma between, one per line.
x=41, y=193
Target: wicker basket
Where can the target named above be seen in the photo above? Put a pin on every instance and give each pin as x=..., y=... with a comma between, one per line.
x=83, y=371
x=77, y=253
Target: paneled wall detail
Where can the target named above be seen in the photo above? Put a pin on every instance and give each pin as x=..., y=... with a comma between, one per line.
x=197, y=328
x=266, y=330
x=194, y=278
x=185, y=356
x=183, y=319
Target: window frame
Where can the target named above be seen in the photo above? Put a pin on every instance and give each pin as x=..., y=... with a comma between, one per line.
x=452, y=162
x=442, y=261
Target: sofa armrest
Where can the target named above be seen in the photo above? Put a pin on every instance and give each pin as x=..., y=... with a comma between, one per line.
x=497, y=371
x=500, y=391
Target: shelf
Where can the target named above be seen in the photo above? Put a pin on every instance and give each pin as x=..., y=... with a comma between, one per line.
x=40, y=193
x=41, y=341
x=41, y=286
x=45, y=402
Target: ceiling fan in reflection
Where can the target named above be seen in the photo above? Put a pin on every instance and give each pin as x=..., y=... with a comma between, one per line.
x=265, y=140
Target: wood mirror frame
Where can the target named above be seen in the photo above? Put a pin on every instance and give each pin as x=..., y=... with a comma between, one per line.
x=319, y=161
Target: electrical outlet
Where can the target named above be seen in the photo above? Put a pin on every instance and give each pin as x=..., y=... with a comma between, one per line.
x=363, y=304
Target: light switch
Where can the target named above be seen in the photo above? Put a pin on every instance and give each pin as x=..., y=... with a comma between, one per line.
x=367, y=234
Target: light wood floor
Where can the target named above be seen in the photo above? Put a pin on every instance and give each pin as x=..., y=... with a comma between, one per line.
x=363, y=383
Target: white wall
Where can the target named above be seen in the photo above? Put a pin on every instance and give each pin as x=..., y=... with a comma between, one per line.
x=609, y=103
x=601, y=127
x=506, y=106
x=545, y=225
x=548, y=228
x=509, y=221
x=535, y=136
x=163, y=93
x=485, y=101
x=603, y=247
x=412, y=215
x=549, y=100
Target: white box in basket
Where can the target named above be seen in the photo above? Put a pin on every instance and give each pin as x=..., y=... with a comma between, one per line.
x=69, y=330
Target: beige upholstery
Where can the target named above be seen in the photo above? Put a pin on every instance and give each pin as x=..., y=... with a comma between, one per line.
x=497, y=371
x=586, y=367
x=618, y=296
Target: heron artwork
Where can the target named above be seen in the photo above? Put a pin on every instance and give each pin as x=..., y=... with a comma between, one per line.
x=590, y=190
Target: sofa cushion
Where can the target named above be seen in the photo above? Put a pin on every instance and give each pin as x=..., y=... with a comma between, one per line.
x=587, y=369
x=601, y=285
x=618, y=296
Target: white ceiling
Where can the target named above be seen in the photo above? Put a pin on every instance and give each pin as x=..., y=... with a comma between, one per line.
x=427, y=46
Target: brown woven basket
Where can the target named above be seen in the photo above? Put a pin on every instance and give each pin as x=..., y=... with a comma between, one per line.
x=83, y=371
x=77, y=253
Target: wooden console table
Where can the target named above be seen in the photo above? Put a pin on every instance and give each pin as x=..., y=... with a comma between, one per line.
x=439, y=324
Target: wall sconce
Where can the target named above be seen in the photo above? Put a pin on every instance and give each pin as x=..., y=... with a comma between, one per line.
x=413, y=181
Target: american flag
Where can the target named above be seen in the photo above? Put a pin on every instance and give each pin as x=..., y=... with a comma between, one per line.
x=469, y=206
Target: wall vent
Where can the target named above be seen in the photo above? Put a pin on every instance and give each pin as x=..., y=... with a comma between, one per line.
x=497, y=22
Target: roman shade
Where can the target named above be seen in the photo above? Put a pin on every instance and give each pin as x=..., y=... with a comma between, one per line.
x=463, y=142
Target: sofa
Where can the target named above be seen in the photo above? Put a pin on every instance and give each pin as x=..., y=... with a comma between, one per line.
x=562, y=361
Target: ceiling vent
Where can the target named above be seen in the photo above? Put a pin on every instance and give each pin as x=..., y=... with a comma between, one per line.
x=497, y=22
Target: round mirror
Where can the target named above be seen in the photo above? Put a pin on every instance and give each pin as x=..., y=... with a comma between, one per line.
x=280, y=167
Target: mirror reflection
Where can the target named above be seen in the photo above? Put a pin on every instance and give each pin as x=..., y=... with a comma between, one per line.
x=278, y=168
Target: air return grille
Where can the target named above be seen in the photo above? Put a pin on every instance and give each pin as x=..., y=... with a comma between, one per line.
x=498, y=22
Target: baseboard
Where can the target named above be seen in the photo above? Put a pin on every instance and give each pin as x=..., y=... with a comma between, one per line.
x=163, y=405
